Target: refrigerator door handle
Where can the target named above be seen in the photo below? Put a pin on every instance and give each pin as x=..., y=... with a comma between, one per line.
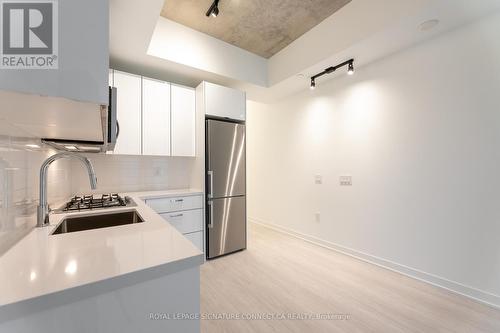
x=211, y=184
x=211, y=215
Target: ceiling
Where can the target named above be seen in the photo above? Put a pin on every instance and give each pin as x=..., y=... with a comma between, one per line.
x=360, y=30
x=263, y=27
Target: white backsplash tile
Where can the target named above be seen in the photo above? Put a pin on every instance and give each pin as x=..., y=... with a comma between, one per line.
x=123, y=173
x=19, y=187
x=19, y=181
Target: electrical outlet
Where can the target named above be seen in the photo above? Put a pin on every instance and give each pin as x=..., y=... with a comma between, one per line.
x=157, y=171
x=345, y=180
x=318, y=179
x=317, y=217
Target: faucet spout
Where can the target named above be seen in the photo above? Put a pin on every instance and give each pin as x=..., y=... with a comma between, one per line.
x=43, y=206
x=91, y=172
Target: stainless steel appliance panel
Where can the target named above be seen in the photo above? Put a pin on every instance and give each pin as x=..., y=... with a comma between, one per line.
x=226, y=159
x=226, y=226
x=110, y=132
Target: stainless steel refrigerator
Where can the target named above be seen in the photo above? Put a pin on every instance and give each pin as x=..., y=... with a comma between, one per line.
x=226, y=187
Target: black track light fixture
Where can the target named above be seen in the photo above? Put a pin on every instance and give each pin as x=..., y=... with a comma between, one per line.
x=350, y=70
x=313, y=84
x=215, y=12
x=214, y=9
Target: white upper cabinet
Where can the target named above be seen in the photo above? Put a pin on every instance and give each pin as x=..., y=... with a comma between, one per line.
x=224, y=102
x=66, y=101
x=155, y=117
x=80, y=35
x=128, y=107
x=111, y=79
x=183, y=121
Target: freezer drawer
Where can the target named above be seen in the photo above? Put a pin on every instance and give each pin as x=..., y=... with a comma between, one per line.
x=226, y=226
x=225, y=159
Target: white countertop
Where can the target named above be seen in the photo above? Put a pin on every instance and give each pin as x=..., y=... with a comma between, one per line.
x=42, y=264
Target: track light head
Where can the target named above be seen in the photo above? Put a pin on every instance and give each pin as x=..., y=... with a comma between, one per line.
x=214, y=9
x=215, y=12
x=350, y=68
x=313, y=84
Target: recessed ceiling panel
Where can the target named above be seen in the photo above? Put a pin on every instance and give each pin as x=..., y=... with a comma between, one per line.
x=263, y=27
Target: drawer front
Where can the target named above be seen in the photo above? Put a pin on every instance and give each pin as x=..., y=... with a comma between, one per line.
x=165, y=205
x=185, y=221
x=197, y=239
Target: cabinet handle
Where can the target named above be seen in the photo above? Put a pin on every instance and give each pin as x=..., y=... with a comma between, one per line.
x=117, y=129
x=178, y=200
x=210, y=174
x=211, y=215
x=177, y=215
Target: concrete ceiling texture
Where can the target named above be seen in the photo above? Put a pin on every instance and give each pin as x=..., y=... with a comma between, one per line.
x=263, y=27
x=157, y=47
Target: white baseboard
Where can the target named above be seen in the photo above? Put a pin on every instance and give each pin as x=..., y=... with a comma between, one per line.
x=470, y=292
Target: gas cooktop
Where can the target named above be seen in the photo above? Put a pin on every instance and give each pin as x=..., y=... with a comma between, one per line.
x=89, y=202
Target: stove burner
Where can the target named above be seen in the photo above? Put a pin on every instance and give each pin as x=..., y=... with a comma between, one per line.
x=87, y=202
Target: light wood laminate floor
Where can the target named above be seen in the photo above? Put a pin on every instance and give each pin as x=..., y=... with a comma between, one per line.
x=282, y=274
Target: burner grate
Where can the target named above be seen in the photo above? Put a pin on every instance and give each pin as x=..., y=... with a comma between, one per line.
x=88, y=202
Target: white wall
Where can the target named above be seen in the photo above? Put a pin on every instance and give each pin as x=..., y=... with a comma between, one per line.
x=312, y=47
x=420, y=134
x=19, y=187
x=174, y=42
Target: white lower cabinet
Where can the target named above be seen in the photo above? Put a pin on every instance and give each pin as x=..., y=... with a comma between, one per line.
x=186, y=221
x=175, y=204
x=185, y=213
x=197, y=239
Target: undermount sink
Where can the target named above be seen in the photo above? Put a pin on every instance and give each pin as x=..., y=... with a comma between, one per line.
x=97, y=221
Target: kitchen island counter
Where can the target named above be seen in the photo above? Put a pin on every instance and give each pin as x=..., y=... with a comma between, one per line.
x=44, y=271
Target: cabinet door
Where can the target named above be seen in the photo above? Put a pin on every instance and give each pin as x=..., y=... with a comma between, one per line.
x=224, y=102
x=197, y=239
x=183, y=121
x=111, y=80
x=155, y=117
x=128, y=106
x=83, y=53
x=166, y=205
x=185, y=221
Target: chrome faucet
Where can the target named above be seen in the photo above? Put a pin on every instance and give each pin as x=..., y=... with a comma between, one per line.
x=43, y=206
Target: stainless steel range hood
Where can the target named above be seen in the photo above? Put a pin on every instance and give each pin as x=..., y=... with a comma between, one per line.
x=110, y=132
x=76, y=146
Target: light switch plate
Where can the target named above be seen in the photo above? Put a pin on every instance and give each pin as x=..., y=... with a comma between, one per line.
x=345, y=180
x=318, y=179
